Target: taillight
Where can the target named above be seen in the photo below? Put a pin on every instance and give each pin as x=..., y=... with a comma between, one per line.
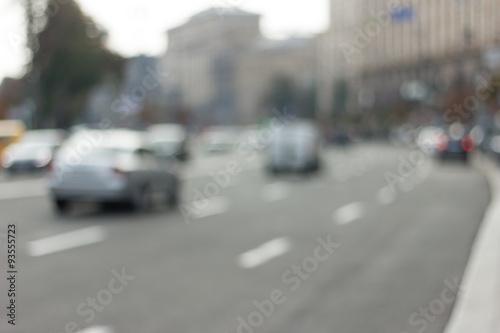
x=442, y=142
x=468, y=143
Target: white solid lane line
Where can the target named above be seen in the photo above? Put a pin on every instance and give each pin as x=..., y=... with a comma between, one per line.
x=66, y=241
x=98, y=329
x=349, y=213
x=385, y=196
x=275, y=192
x=264, y=253
x=215, y=206
x=23, y=189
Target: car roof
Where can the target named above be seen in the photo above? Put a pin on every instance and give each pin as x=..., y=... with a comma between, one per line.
x=50, y=135
x=167, y=131
x=117, y=139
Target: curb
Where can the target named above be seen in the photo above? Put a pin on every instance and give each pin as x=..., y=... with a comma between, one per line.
x=478, y=305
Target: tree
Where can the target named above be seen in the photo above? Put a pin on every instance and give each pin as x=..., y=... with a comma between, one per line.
x=70, y=59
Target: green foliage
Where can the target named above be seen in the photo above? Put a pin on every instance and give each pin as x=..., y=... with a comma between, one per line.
x=71, y=59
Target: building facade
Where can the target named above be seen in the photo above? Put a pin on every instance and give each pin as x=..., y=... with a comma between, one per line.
x=202, y=59
x=292, y=59
x=221, y=68
x=378, y=45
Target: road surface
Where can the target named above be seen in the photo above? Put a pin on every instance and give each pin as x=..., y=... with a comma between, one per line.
x=339, y=252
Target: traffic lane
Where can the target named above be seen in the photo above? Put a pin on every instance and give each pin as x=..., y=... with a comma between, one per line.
x=206, y=287
x=305, y=209
x=52, y=287
x=120, y=252
x=338, y=165
x=192, y=262
x=63, y=290
x=35, y=218
x=219, y=292
x=46, y=223
x=396, y=262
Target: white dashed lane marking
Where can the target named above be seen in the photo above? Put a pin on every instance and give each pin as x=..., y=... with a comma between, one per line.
x=264, y=253
x=66, y=241
x=349, y=213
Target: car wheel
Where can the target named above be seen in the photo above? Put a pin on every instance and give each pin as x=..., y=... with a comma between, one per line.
x=61, y=206
x=315, y=167
x=141, y=199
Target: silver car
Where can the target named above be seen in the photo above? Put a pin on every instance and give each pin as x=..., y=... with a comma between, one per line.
x=110, y=166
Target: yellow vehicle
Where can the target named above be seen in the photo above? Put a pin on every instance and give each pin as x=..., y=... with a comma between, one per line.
x=10, y=132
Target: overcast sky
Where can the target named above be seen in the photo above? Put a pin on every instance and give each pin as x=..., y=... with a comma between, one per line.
x=138, y=26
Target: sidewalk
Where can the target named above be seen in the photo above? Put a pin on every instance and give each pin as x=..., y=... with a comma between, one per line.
x=478, y=305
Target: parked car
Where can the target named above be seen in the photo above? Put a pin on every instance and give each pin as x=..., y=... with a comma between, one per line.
x=110, y=166
x=454, y=143
x=295, y=148
x=33, y=152
x=169, y=140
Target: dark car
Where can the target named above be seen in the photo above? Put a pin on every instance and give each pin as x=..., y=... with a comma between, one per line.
x=454, y=143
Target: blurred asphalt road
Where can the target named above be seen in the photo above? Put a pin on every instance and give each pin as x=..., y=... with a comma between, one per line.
x=399, y=257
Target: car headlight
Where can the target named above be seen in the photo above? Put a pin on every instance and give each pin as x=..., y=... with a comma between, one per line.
x=7, y=159
x=43, y=157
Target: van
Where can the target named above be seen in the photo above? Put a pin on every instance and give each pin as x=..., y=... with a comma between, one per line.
x=295, y=148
